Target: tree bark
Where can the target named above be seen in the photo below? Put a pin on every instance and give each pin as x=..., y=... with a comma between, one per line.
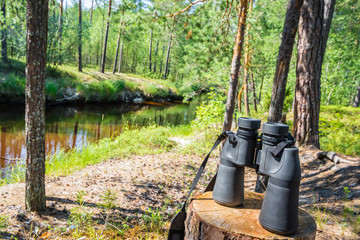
x=117, y=48
x=80, y=41
x=91, y=11
x=235, y=66
x=36, y=42
x=162, y=58
x=3, y=34
x=150, y=48
x=315, y=20
x=254, y=91
x=283, y=60
x=103, y=60
x=167, y=58
x=156, y=53
x=60, y=29
x=357, y=98
x=120, y=58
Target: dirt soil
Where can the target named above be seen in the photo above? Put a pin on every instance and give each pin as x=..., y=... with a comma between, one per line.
x=331, y=193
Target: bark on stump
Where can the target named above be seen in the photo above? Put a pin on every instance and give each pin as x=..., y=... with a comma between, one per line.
x=209, y=220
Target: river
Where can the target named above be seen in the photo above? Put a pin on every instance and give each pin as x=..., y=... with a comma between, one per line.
x=71, y=126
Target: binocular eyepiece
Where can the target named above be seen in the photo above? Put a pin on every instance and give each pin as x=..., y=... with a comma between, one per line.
x=272, y=154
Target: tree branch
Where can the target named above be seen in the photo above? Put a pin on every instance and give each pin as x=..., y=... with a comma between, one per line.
x=185, y=9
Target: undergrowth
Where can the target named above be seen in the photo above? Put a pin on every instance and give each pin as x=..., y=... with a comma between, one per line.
x=91, y=85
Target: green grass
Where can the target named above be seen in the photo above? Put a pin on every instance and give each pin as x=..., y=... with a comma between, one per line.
x=340, y=129
x=4, y=221
x=150, y=140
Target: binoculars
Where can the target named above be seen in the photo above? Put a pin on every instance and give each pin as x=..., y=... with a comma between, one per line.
x=272, y=154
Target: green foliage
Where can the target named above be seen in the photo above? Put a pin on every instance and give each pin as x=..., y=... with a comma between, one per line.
x=210, y=112
x=153, y=221
x=106, y=90
x=79, y=217
x=109, y=199
x=339, y=129
x=80, y=197
x=4, y=221
x=346, y=193
x=12, y=85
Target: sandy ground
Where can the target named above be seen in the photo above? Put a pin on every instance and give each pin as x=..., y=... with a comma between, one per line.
x=161, y=182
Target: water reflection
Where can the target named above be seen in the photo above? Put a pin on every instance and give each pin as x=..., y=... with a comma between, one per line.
x=74, y=126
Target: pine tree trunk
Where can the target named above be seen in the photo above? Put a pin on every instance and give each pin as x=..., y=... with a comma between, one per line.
x=261, y=87
x=150, y=47
x=80, y=41
x=60, y=29
x=103, y=60
x=36, y=32
x=246, y=69
x=235, y=66
x=168, y=69
x=283, y=61
x=3, y=35
x=162, y=59
x=117, y=49
x=167, y=57
x=91, y=11
x=254, y=92
x=121, y=55
x=155, y=56
x=315, y=20
x=357, y=98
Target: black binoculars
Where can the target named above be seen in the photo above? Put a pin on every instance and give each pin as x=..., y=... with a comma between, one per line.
x=272, y=154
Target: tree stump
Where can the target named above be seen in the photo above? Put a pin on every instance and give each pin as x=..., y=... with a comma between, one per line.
x=208, y=220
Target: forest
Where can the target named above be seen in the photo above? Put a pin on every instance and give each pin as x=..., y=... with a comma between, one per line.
x=109, y=106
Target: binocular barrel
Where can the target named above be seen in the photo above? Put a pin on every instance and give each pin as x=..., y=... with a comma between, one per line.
x=277, y=158
x=238, y=151
x=279, y=212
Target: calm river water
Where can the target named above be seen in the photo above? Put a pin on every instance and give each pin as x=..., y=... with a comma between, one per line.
x=74, y=126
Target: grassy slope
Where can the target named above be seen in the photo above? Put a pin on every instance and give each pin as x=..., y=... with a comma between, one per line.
x=64, y=81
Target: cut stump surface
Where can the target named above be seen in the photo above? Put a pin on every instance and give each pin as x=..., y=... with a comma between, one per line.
x=209, y=220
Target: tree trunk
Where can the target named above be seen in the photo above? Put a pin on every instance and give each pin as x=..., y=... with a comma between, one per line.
x=168, y=69
x=315, y=20
x=281, y=72
x=117, y=48
x=162, y=58
x=36, y=32
x=103, y=60
x=156, y=53
x=133, y=67
x=91, y=11
x=60, y=29
x=120, y=58
x=283, y=60
x=254, y=92
x=357, y=98
x=3, y=34
x=261, y=87
x=235, y=66
x=80, y=42
x=150, y=47
x=167, y=57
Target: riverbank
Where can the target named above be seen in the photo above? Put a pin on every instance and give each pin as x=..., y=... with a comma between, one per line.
x=64, y=84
